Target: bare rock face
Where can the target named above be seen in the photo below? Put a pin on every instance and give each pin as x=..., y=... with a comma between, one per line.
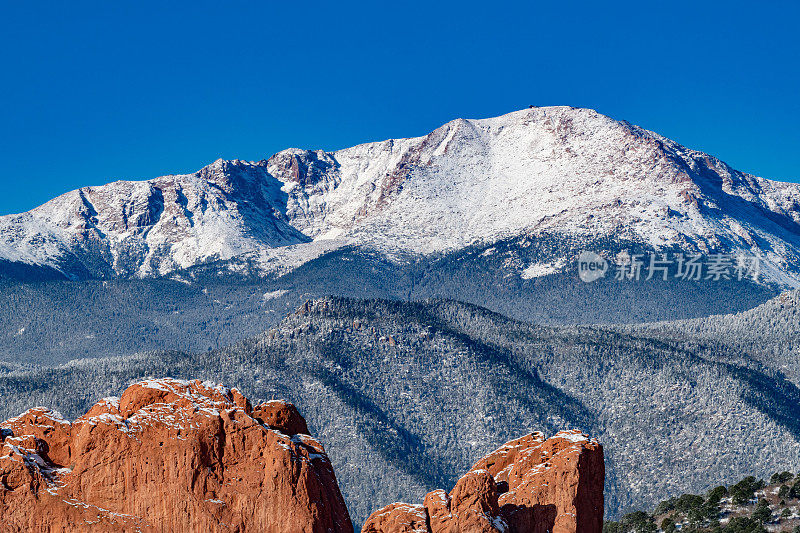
x=187, y=456
x=527, y=485
x=168, y=455
x=282, y=416
x=398, y=517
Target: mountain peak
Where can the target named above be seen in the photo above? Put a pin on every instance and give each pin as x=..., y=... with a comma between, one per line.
x=559, y=169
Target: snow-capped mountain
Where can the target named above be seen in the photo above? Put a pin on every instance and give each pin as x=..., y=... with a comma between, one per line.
x=549, y=170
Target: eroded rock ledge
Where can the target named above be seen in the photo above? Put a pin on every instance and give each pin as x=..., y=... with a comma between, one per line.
x=186, y=456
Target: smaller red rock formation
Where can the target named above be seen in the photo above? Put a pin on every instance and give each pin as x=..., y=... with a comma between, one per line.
x=168, y=455
x=282, y=416
x=527, y=485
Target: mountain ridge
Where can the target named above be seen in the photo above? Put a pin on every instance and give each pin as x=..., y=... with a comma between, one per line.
x=556, y=169
x=378, y=379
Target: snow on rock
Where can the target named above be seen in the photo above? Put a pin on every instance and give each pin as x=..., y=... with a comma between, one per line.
x=536, y=270
x=528, y=484
x=548, y=169
x=168, y=455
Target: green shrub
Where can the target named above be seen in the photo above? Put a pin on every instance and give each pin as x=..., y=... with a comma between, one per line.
x=745, y=489
x=638, y=522
x=762, y=513
x=717, y=493
x=780, y=477
x=741, y=524
x=665, y=506
x=794, y=492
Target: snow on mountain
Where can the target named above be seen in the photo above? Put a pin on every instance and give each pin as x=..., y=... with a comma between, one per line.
x=153, y=227
x=541, y=170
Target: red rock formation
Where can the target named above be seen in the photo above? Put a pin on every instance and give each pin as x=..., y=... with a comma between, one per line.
x=528, y=485
x=172, y=455
x=168, y=456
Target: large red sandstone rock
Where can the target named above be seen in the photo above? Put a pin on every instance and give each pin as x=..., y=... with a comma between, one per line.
x=528, y=485
x=170, y=456
x=188, y=456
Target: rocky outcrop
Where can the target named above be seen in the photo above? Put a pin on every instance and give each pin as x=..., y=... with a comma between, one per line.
x=527, y=485
x=168, y=455
x=171, y=455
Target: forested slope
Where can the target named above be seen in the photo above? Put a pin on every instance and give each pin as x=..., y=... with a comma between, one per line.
x=418, y=391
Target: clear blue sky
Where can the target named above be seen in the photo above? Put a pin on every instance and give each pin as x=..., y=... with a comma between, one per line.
x=131, y=90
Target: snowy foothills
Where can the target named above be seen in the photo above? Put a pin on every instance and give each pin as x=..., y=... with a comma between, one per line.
x=421, y=302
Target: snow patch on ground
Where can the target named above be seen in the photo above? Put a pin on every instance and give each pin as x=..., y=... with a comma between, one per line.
x=536, y=270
